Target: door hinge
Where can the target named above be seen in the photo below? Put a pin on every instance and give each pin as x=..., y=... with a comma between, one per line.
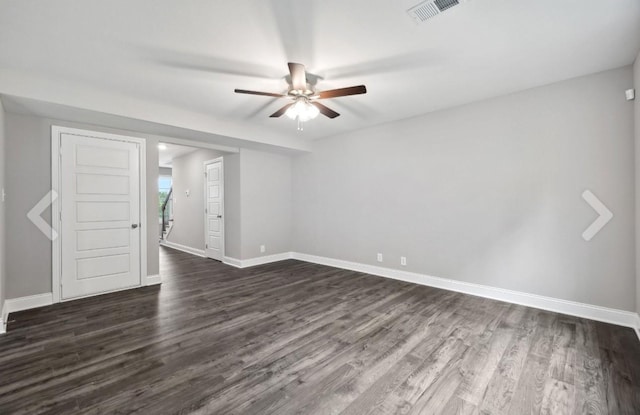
x=206, y=246
x=60, y=216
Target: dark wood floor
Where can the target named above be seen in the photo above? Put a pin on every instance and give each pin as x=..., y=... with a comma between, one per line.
x=298, y=338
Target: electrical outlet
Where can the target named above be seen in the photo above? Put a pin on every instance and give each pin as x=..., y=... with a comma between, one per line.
x=379, y=257
x=263, y=248
x=403, y=261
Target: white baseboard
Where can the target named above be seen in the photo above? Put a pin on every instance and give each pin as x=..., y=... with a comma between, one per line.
x=234, y=262
x=4, y=316
x=592, y=312
x=183, y=248
x=11, y=305
x=153, y=280
x=168, y=230
x=265, y=259
x=252, y=262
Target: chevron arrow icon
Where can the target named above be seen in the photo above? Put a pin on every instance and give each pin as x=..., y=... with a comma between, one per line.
x=35, y=213
x=605, y=215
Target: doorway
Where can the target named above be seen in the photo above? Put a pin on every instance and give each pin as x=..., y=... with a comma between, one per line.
x=191, y=216
x=214, y=208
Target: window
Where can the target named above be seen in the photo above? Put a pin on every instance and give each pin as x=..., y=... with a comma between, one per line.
x=164, y=186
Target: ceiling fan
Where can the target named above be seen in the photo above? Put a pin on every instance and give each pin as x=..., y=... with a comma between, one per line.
x=305, y=105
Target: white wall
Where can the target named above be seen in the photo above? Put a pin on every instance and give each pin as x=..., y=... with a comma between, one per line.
x=28, y=179
x=2, y=212
x=266, y=203
x=188, y=211
x=488, y=193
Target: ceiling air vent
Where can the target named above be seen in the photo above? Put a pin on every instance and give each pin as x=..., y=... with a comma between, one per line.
x=430, y=8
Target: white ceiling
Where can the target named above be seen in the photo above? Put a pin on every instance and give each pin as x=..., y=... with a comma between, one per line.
x=176, y=63
x=169, y=152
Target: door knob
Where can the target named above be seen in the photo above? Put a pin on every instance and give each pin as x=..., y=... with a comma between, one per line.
x=134, y=225
x=219, y=216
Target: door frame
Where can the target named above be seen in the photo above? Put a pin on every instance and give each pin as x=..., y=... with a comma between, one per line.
x=56, y=249
x=205, y=207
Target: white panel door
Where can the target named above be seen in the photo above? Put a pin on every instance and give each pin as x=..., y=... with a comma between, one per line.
x=100, y=215
x=214, y=203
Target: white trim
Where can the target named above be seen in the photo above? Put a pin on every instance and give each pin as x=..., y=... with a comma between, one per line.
x=4, y=318
x=56, y=132
x=169, y=228
x=12, y=305
x=153, y=280
x=200, y=144
x=184, y=248
x=265, y=259
x=234, y=262
x=252, y=262
x=56, y=253
x=592, y=312
x=205, y=207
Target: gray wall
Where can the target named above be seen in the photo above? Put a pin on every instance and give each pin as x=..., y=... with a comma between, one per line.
x=258, y=202
x=28, y=251
x=636, y=83
x=263, y=204
x=266, y=198
x=232, y=206
x=28, y=179
x=487, y=193
x=188, y=212
x=2, y=209
x=153, y=251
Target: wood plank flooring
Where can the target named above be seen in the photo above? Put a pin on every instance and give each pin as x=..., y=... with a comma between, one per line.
x=298, y=338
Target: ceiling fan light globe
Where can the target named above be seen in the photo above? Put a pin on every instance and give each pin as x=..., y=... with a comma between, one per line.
x=313, y=111
x=291, y=112
x=303, y=118
x=302, y=110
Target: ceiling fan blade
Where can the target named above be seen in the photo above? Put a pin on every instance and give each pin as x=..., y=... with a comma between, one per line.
x=281, y=111
x=325, y=110
x=298, y=76
x=343, y=92
x=266, y=94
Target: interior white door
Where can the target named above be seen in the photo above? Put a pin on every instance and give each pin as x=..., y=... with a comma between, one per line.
x=214, y=201
x=100, y=215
